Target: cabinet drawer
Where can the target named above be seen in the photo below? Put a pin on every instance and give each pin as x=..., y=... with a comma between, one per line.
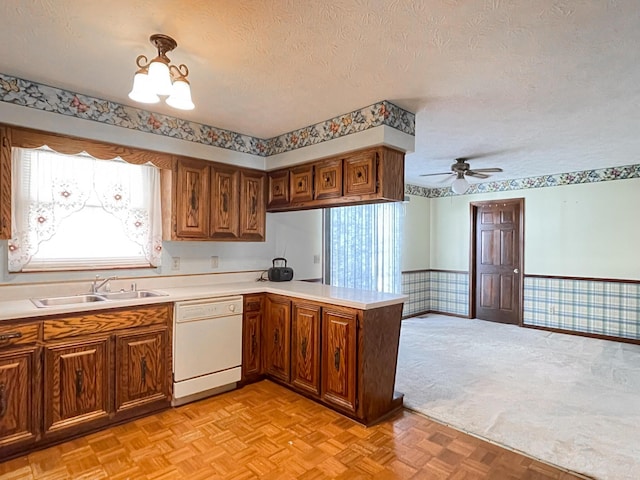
x=101, y=322
x=252, y=303
x=16, y=335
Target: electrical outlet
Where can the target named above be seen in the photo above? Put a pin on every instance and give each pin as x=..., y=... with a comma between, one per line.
x=552, y=309
x=175, y=263
x=214, y=261
x=316, y=259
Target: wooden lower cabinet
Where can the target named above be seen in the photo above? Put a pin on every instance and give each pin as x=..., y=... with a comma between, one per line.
x=141, y=370
x=277, y=337
x=19, y=390
x=339, y=371
x=76, y=383
x=343, y=357
x=305, y=347
x=66, y=375
x=251, y=337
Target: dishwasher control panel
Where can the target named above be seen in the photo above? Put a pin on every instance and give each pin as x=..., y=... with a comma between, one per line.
x=207, y=308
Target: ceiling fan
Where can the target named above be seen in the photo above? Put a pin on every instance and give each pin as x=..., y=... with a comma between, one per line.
x=461, y=169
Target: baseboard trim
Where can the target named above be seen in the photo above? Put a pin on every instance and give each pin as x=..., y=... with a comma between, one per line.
x=437, y=312
x=584, y=334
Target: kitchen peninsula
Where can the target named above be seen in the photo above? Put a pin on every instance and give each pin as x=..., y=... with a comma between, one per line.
x=85, y=366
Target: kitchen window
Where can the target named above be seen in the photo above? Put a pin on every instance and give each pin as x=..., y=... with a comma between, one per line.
x=76, y=212
x=363, y=246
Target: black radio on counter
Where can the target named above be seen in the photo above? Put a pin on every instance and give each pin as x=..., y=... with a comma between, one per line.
x=281, y=273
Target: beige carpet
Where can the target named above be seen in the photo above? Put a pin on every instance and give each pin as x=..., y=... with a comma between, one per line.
x=568, y=400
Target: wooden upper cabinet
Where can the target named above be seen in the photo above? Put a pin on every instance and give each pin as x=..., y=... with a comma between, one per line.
x=360, y=177
x=361, y=173
x=225, y=203
x=339, y=374
x=252, y=205
x=301, y=184
x=192, y=198
x=278, y=188
x=5, y=182
x=305, y=347
x=328, y=179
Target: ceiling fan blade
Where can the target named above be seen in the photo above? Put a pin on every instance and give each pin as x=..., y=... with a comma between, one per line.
x=473, y=173
x=488, y=170
x=431, y=174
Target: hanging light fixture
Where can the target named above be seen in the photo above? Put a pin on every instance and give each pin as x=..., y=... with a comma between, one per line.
x=460, y=184
x=159, y=77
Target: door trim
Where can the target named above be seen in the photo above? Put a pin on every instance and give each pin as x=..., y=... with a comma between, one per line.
x=473, y=212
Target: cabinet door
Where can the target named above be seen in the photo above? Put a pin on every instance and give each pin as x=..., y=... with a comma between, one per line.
x=339, y=358
x=360, y=173
x=18, y=393
x=301, y=184
x=5, y=182
x=328, y=179
x=76, y=386
x=305, y=347
x=225, y=202
x=277, y=335
x=252, y=207
x=192, y=199
x=141, y=375
x=278, y=189
x=251, y=329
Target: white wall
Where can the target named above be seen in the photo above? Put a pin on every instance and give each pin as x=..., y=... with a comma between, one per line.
x=586, y=230
x=415, y=249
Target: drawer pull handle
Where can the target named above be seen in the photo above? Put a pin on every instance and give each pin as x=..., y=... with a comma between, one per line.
x=143, y=369
x=303, y=347
x=336, y=359
x=8, y=336
x=79, y=382
x=3, y=400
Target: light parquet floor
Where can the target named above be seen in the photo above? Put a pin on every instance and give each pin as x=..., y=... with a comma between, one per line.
x=266, y=431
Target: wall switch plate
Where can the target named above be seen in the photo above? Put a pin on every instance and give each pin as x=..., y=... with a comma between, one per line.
x=214, y=261
x=175, y=263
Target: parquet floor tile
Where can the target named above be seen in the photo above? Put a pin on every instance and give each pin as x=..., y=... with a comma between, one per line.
x=268, y=432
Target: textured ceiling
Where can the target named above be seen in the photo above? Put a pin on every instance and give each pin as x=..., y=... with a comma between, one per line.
x=544, y=86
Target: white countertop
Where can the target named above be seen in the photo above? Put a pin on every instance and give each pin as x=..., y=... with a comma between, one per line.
x=346, y=297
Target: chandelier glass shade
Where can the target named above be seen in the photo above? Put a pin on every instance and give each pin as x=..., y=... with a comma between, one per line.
x=159, y=78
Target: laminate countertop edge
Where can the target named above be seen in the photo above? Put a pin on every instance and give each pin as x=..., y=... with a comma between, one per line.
x=340, y=296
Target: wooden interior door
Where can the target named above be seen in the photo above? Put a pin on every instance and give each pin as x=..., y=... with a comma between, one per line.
x=497, y=265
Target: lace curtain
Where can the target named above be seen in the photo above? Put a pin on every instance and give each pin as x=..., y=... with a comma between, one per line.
x=49, y=188
x=364, y=246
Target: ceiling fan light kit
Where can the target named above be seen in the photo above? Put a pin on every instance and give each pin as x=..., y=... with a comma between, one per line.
x=460, y=185
x=461, y=169
x=159, y=77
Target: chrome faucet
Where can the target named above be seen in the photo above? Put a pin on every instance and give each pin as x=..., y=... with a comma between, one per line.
x=95, y=286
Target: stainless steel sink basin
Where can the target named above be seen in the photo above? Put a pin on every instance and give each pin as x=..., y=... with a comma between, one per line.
x=70, y=300
x=94, y=297
x=132, y=294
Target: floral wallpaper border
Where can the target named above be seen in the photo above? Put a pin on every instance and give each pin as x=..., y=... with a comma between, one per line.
x=30, y=94
x=556, y=180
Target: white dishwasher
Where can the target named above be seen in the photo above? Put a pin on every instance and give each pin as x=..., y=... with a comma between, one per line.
x=207, y=347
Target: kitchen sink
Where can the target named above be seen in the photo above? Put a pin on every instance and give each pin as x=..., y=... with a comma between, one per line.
x=69, y=300
x=132, y=294
x=94, y=297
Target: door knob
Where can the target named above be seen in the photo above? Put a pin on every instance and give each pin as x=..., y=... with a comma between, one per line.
x=515, y=270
